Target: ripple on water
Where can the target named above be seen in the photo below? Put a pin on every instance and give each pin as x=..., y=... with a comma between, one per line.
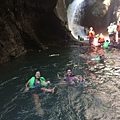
x=99, y=99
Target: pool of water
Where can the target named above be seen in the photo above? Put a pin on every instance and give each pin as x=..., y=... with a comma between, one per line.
x=98, y=100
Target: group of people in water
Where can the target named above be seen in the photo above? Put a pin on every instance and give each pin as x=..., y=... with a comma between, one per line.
x=96, y=40
x=39, y=83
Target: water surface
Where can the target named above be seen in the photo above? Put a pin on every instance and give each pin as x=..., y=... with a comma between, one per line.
x=98, y=100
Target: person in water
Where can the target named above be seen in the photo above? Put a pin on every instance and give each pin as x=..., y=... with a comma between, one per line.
x=39, y=83
x=100, y=59
x=94, y=61
x=106, y=44
x=70, y=78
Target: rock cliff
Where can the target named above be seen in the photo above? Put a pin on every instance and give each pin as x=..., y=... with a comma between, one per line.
x=27, y=25
x=36, y=24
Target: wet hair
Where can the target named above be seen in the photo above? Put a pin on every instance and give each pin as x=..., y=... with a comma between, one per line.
x=102, y=57
x=71, y=71
x=68, y=69
x=36, y=74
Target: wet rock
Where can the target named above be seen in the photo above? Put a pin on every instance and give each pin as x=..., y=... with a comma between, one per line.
x=19, y=26
x=13, y=54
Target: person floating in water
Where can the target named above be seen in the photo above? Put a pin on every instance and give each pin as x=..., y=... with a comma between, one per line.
x=39, y=83
x=70, y=78
x=93, y=61
x=100, y=59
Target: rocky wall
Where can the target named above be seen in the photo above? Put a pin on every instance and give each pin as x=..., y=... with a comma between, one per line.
x=27, y=25
x=37, y=24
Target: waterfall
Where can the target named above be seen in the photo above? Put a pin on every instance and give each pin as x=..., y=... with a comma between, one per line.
x=74, y=14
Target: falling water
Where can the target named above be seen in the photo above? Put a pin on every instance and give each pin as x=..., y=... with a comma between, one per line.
x=74, y=14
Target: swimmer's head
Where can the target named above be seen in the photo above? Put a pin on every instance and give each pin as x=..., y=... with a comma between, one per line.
x=37, y=74
x=69, y=72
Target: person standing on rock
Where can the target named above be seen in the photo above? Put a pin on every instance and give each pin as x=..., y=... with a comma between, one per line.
x=101, y=38
x=91, y=36
x=111, y=32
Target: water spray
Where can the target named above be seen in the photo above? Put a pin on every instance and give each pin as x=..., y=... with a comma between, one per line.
x=74, y=18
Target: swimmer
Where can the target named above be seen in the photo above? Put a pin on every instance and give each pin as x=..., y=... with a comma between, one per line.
x=39, y=83
x=70, y=78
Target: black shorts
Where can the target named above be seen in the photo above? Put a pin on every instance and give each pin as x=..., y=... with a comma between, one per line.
x=111, y=35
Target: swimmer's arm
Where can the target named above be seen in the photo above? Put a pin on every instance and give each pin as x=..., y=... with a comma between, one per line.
x=77, y=79
x=47, y=83
x=92, y=59
x=26, y=86
x=80, y=79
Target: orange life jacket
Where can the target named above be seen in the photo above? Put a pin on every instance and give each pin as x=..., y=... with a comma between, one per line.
x=118, y=28
x=101, y=38
x=91, y=34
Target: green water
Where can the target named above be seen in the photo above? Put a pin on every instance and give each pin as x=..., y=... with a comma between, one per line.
x=70, y=102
